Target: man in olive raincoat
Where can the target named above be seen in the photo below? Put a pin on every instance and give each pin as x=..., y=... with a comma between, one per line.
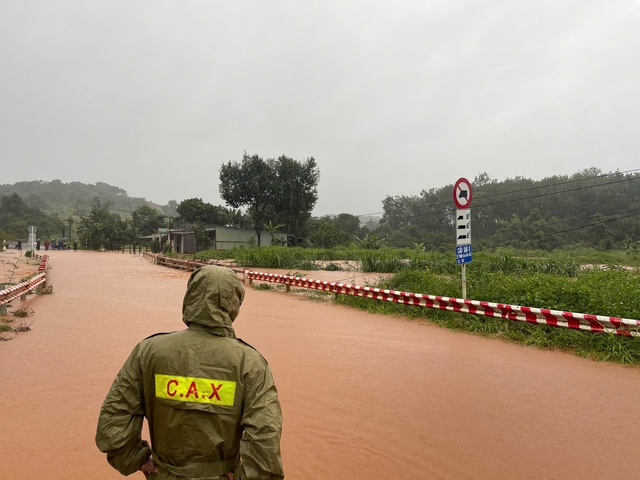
x=209, y=398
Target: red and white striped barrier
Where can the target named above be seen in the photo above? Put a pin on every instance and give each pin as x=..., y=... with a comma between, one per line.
x=150, y=256
x=43, y=263
x=184, y=264
x=556, y=318
x=16, y=291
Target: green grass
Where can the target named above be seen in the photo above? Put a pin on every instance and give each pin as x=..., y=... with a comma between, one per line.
x=559, y=281
x=595, y=291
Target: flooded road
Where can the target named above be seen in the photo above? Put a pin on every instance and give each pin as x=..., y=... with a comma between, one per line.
x=363, y=396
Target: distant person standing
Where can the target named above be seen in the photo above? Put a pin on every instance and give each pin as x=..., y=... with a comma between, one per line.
x=38, y=244
x=19, y=245
x=75, y=245
x=46, y=244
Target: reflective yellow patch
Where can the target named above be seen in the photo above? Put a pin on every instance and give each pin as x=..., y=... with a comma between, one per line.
x=195, y=390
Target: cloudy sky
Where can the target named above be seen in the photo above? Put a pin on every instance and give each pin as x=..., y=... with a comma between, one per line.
x=390, y=98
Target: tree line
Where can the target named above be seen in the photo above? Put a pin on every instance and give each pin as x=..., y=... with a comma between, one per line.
x=589, y=208
x=76, y=198
x=277, y=195
x=16, y=217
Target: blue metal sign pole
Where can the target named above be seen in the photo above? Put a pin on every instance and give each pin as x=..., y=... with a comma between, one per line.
x=463, y=256
x=463, y=249
x=462, y=195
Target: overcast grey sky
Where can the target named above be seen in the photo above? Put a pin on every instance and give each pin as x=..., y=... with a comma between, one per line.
x=390, y=98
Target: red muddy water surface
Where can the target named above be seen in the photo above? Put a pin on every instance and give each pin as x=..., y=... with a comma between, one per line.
x=363, y=396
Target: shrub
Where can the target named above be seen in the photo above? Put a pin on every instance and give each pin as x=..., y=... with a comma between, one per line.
x=23, y=312
x=332, y=267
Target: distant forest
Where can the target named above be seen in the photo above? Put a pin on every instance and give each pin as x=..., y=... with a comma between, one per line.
x=588, y=209
x=76, y=198
x=57, y=208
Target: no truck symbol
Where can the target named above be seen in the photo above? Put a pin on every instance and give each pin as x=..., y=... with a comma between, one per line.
x=462, y=193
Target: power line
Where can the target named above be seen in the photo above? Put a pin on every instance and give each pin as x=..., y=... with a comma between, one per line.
x=557, y=193
x=448, y=204
x=568, y=182
x=588, y=217
x=532, y=188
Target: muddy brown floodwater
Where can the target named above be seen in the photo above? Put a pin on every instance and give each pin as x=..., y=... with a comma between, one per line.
x=363, y=396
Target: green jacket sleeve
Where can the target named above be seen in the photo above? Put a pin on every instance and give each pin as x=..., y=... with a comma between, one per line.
x=121, y=419
x=262, y=425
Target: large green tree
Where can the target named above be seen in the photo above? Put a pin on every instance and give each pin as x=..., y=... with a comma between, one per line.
x=279, y=190
x=101, y=228
x=326, y=234
x=196, y=210
x=351, y=224
x=192, y=209
x=250, y=183
x=145, y=221
x=296, y=193
x=337, y=230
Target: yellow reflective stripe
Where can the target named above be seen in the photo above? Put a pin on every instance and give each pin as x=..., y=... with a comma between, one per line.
x=195, y=390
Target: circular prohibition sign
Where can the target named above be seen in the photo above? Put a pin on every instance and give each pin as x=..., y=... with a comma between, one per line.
x=462, y=193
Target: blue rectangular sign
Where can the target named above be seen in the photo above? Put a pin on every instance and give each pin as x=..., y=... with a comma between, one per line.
x=463, y=254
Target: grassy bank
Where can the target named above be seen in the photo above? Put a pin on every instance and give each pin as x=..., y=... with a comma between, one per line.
x=588, y=282
x=604, y=292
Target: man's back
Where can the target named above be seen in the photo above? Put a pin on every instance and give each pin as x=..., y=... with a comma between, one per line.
x=208, y=397
x=201, y=382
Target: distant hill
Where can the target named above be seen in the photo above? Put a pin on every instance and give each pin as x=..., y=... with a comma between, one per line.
x=76, y=198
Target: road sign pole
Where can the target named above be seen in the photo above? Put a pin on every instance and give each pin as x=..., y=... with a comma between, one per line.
x=464, y=281
x=462, y=195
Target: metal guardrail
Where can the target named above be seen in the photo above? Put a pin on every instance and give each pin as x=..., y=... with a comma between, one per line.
x=19, y=291
x=8, y=294
x=182, y=264
x=542, y=316
x=556, y=318
x=44, y=260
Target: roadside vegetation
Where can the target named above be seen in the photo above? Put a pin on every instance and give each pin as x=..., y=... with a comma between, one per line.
x=8, y=321
x=557, y=283
x=568, y=243
x=594, y=282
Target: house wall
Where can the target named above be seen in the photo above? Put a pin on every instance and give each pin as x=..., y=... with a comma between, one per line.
x=228, y=238
x=187, y=243
x=182, y=242
x=224, y=238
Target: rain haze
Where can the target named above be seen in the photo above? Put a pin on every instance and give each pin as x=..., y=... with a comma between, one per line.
x=390, y=98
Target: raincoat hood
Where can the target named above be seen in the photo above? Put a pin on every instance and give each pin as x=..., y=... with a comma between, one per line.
x=213, y=299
